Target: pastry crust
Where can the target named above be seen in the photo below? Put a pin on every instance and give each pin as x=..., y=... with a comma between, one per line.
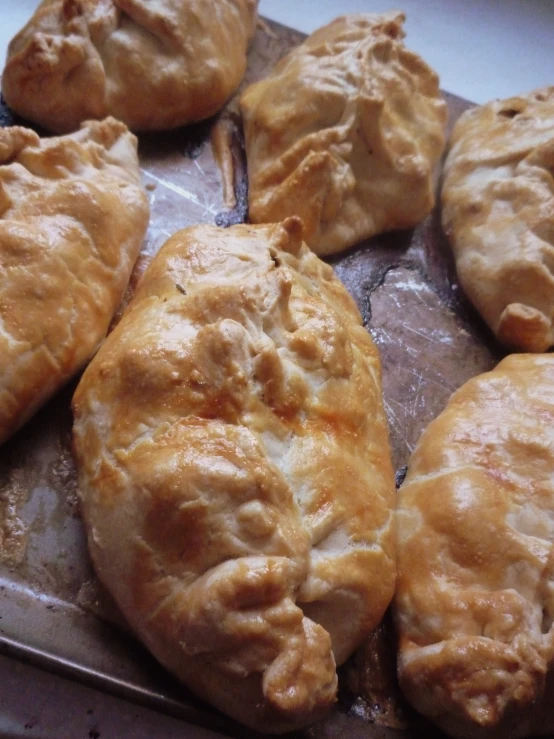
x=345, y=133
x=234, y=471
x=498, y=213
x=154, y=65
x=72, y=219
x=475, y=604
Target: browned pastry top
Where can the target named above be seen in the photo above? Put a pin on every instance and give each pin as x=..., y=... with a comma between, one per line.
x=345, y=133
x=475, y=601
x=234, y=471
x=154, y=64
x=72, y=219
x=498, y=212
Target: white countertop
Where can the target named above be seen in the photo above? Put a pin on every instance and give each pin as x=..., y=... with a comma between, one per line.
x=482, y=49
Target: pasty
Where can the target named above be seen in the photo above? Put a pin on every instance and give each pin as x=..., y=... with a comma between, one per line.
x=153, y=65
x=345, y=133
x=72, y=219
x=234, y=471
x=498, y=213
x=475, y=599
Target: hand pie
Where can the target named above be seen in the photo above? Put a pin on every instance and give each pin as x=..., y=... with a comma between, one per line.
x=475, y=597
x=153, y=65
x=234, y=471
x=72, y=219
x=345, y=133
x=498, y=212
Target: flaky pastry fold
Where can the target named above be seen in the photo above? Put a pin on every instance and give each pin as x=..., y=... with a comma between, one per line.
x=234, y=471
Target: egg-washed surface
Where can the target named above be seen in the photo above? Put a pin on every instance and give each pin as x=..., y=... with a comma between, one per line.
x=346, y=133
x=73, y=216
x=474, y=603
x=152, y=65
x=498, y=211
x=233, y=460
x=439, y=344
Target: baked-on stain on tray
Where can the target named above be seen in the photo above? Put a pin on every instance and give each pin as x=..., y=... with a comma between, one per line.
x=431, y=341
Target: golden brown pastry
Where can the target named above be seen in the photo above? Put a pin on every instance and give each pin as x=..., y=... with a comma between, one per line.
x=345, y=133
x=234, y=471
x=72, y=219
x=498, y=213
x=475, y=598
x=153, y=65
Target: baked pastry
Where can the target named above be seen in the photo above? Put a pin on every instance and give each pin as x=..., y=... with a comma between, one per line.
x=234, y=471
x=498, y=213
x=345, y=133
x=152, y=65
x=72, y=219
x=475, y=604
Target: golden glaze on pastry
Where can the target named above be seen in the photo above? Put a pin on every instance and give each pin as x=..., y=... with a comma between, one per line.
x=498, y=212
x=72, y=219
x=475, y=598
x=345, y=133
x=234, y=471
x=154, y=64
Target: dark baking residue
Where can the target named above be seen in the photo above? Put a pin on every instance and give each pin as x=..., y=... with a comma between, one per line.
x=400, y=475
x=197, y=136
x=7, y=118
x=239, y=214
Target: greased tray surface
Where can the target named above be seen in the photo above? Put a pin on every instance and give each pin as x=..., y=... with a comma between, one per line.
x=52, y=611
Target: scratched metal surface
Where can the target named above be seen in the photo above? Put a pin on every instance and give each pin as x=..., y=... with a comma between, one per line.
x=52, y=611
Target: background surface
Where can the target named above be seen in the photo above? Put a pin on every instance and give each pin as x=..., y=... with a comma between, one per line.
x=481, y=49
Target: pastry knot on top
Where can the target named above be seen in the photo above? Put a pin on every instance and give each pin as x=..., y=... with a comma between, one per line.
x=345, y=132
x=152, y=65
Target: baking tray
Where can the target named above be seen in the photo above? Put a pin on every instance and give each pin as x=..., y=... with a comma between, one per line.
x=53, y=613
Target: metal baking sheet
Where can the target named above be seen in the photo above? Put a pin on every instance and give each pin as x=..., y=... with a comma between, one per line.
x=52, y=610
